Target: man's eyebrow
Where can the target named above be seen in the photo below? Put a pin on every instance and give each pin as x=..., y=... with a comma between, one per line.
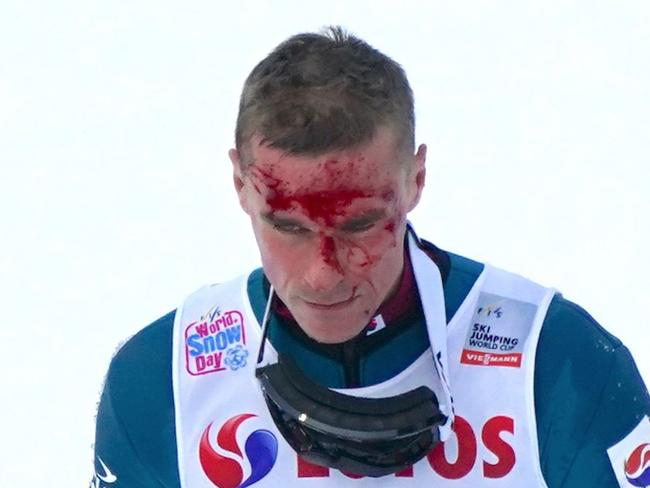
x=367, y=218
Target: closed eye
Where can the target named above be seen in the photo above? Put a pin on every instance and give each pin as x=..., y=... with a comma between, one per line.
x=290, y=228
x=364, y=222
x=358, y=226
x=284, y=225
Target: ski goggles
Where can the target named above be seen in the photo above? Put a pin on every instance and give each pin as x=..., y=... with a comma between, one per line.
x=363, y=436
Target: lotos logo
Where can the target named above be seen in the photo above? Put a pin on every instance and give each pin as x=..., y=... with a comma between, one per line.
x=637, y=466
x=490, y=453
x=261, y=449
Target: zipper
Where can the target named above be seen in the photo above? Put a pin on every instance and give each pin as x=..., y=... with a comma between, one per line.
x=351, y=366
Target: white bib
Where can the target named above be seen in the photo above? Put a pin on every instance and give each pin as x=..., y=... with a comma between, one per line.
x=485, y=356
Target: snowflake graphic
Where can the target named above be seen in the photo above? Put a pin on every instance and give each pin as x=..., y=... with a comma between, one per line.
x=236, y=357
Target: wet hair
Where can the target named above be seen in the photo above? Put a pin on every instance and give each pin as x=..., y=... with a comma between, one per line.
x=319, y=92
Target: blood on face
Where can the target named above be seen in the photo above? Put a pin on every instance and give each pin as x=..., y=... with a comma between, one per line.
x=326, y=198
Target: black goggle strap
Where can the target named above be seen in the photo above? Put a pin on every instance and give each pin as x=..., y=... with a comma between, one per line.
x=265, y=329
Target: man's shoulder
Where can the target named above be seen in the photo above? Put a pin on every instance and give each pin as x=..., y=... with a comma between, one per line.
x=571, y=337
x=576, y=358
x=588, y=395
x=567, y=328
x=140, y=373
x=149, y=347
x=135, y=433
x=139, y=377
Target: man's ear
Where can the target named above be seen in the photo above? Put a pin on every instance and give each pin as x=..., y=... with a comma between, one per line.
x=416, y=177
x=238, y=178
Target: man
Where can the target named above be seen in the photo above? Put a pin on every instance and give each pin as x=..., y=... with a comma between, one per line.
x=382, y=359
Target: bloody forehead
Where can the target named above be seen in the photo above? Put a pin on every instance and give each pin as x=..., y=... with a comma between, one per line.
x=330, y=191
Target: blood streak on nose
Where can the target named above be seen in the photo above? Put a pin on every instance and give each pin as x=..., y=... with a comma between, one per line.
x=328, y=253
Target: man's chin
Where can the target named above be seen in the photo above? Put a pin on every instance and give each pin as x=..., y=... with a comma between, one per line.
x=330, y=336
x=330, y=324
x=331, y=331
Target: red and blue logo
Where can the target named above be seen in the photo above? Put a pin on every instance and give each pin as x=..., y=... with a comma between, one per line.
x=261, y=448
x=637, y=466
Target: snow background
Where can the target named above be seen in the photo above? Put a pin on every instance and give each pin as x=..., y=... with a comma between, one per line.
x=115, y=186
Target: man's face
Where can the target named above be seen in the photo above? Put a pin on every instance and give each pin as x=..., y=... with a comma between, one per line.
x=330, y=228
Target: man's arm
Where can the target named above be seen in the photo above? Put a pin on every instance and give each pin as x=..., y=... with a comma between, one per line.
x=135, y=442
x=588, y=396
x=623, y=405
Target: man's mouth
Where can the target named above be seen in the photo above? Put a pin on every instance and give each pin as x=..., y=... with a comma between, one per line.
x=331, y=306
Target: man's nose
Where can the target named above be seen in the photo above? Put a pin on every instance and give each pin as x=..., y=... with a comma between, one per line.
x=324, y=271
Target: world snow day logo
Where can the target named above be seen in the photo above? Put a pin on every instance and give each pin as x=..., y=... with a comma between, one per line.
x=260, y=447
x=216, y=342
x=637, y=466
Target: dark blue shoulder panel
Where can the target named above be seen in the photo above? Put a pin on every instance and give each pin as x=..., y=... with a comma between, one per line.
x=462, y=275
x=135, y=432
x=588, y=396
x=257, y=293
